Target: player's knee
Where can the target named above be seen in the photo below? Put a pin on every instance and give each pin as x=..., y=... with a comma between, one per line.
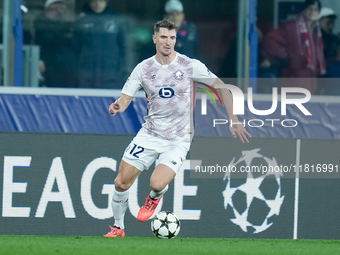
x=157, y=185
x=121, y=185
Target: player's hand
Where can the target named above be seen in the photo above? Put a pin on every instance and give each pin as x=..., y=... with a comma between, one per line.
x=240, y=131
x=114, y=108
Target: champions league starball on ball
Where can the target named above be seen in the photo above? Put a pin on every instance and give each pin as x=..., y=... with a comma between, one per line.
x=165, y=225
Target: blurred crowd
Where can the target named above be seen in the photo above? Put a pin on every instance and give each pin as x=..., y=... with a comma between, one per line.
x=91, y=51
x=303, y=49
x=88, y=53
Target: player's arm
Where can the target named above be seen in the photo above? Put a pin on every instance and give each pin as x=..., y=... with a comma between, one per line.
x=202, y=74
x=236, y=129
x=131, y=86
x=120, y=105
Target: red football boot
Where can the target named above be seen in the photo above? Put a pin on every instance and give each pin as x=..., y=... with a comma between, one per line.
x=148, y=208
x=115, y=232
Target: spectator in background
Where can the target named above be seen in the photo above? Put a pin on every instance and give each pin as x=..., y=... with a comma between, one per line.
x=269, y=70
x=327, y=20
x=57, y=56
x=300, y=42
x=100, y=40
x=331, y=51
x=187, y=38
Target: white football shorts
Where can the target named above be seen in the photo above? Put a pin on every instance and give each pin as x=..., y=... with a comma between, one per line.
x=144, y=150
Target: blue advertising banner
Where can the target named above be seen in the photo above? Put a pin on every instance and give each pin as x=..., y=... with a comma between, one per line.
x=89, y=114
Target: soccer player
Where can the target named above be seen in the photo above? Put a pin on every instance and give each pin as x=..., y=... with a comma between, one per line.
x=166, y=133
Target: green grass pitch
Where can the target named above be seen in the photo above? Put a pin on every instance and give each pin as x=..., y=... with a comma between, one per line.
x=45, y=245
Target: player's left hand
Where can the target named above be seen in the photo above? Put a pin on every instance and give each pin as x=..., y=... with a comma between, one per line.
x=240, y=131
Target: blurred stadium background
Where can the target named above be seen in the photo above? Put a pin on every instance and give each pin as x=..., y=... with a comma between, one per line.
x=60, y=149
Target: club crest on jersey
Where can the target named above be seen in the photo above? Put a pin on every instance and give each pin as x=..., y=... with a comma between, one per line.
x=153, y=76
x=179, y=75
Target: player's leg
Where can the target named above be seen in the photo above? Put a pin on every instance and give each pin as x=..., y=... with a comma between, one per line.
x=135, y=160
x=124, y=180
x=160, y=179
x=169, y=163
x=126, y=176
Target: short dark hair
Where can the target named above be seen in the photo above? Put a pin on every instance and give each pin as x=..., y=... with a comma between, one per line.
x=164, y=23
x=311, y=2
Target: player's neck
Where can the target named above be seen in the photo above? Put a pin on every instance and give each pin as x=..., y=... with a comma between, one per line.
x=165, y=60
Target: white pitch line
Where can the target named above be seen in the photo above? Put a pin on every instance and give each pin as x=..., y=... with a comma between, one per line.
x=297, y=180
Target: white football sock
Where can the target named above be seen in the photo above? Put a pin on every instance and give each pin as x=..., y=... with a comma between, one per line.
x=157, y=194
x=119, y=205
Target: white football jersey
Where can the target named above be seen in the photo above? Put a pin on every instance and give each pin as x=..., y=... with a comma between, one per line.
x=168, y=89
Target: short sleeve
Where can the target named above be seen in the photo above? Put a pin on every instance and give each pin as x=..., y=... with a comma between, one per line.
x=134, y=82
x=201, y=73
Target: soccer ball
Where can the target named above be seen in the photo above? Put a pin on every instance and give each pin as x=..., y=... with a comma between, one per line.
x=165, y=225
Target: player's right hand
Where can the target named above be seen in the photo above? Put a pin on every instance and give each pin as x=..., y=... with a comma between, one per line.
x=114, y=108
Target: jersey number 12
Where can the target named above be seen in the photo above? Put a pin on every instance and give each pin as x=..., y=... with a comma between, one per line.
x=135, y=153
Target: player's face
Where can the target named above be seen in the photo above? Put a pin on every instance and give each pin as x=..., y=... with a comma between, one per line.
x=311, y=12
x=165, y=41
